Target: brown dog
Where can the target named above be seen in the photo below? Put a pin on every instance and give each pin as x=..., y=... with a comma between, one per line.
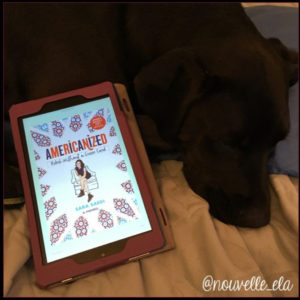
x=215, y=88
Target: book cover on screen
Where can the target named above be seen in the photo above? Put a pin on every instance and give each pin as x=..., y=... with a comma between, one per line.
x=86, y=191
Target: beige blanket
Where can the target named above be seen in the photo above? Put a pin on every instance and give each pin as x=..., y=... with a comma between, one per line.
x=238, y=260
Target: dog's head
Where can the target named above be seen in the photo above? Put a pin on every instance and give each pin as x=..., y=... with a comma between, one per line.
x=225, y=111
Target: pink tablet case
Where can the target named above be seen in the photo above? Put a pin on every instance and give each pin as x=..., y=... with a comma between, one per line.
x=138, y=246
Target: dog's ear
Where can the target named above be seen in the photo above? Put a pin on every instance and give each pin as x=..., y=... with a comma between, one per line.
x=290, y=58
x=167, y=86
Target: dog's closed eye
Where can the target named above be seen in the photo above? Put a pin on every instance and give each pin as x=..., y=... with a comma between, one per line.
x=227, y=145
x=241, y=143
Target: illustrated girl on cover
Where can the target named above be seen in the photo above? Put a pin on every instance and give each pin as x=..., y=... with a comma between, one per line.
x=83, y=175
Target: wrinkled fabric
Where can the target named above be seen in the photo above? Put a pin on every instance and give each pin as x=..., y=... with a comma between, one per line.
x=205, y=248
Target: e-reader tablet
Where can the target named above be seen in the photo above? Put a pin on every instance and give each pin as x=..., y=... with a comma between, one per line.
x=89, y=192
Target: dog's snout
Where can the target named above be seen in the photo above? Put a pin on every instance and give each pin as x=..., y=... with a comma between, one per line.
x=254, y=217
x=253, y=211
x=240, y=210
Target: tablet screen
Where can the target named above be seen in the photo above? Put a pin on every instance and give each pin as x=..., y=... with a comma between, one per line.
x=86, y=191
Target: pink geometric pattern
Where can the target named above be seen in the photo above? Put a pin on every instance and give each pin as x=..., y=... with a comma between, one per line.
x=44, y=189
x=58, y=128
x=50, y=207
x=122, y=166
x=75, y=123
x=117, y=150
x=127, y=186
x=57, y=228
x=104, y=217
x=81, y=226
x=42, y=172
x=36, y=155
x=40, y=139
x=122, y=206
x=112, y=131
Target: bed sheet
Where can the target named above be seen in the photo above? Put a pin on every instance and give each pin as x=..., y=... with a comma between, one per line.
x=206, y=250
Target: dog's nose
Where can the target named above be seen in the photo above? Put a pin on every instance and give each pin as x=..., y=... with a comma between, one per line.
x=254, y=216
x=240, y=210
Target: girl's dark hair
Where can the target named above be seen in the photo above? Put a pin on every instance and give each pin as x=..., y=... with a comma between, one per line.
x=81, y=162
